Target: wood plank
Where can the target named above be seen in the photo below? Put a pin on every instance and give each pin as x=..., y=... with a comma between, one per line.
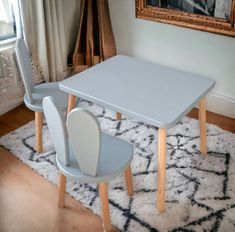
x=107, y=40
x=15, y=118
x=29, y=202
x=221, y=121
x=89, y=35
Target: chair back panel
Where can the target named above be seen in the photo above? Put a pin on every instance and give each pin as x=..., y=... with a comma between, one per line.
x=84, y=134
x=57, y=128
x=24, y=63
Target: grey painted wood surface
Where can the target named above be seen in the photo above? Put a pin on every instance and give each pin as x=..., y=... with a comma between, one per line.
x=84, y=134
x=34, y=94
x=148, y=92
x=115, y=155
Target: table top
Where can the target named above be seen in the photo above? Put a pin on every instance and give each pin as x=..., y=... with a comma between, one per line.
x=151, y=93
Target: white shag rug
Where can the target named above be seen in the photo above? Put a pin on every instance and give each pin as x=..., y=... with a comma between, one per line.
x=200, y=190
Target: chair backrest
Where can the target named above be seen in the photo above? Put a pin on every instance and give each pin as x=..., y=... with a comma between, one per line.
x=57, y=127
x=84, y=134
x=24, y=64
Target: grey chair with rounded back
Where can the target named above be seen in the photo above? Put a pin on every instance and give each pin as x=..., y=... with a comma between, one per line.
x=35, y=93
x=86, y=154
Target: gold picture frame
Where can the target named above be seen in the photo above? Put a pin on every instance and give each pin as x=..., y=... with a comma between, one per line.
x=186, y=19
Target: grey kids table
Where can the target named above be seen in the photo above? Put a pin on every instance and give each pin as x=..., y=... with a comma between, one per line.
x=151, y=93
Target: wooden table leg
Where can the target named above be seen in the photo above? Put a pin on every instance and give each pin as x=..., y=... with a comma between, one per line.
x=118, y=116
x=161, y=169
x=61, y=188
x=104, y=201
x=38, y=128
x=71, y=102
x=202, y=121
x=129, y=182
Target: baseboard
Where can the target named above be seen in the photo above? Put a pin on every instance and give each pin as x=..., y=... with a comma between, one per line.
x=221, y=104
x=7, y=106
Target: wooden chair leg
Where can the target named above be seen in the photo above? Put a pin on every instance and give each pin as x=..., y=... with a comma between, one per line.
x=38, y=128
x=62, y=187
x=71, y=102
x=129, y=182
x=104, y=201
x=202, y=122
x=118, y=116
x=161, y=169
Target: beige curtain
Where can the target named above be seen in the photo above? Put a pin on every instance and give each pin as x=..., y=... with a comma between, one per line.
x=43, y=26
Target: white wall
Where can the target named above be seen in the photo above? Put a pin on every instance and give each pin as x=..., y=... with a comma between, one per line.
x=190, y=50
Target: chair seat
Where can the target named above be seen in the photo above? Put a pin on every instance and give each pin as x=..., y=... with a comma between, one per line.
x=115, y=157
x=46, y=89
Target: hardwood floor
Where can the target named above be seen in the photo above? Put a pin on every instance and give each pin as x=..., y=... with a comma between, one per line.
x=14, y=119
x=223, y=122
x=29, y=203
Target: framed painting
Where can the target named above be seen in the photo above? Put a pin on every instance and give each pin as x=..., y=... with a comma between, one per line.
x=215, y=16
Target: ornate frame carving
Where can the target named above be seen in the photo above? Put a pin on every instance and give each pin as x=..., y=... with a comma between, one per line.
x=185, y=19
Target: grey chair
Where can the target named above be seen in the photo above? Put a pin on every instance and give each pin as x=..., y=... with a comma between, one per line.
x=86, y=154
x=35, y=93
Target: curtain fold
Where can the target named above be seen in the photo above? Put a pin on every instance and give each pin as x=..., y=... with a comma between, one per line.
x=6, y=14
x=43, y=26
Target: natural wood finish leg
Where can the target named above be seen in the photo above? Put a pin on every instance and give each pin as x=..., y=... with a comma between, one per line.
x=62, y=187
x=71, y=102
x=104, y=201
x=129, y=182
x=118, y=116
x=161, y=169
x=202, y=121
x=38, y=128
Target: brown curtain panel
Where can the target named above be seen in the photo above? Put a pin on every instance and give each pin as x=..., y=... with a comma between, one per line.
x=95, y=41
